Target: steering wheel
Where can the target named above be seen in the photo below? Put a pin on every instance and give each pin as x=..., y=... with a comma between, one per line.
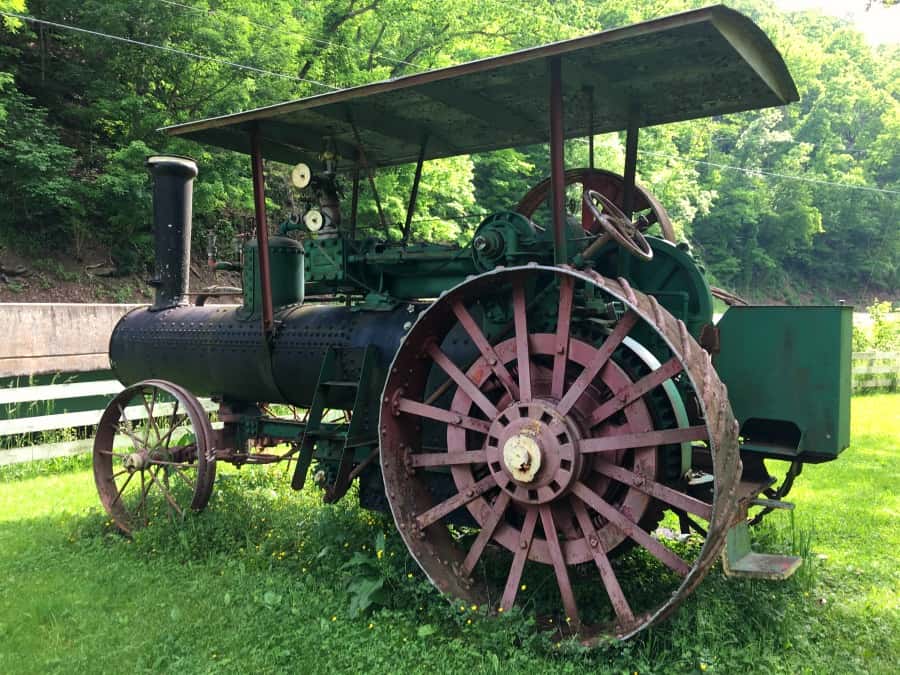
x=611, y=185
x=616, y=226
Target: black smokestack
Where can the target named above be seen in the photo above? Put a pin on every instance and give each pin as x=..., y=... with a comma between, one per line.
x=173, y=186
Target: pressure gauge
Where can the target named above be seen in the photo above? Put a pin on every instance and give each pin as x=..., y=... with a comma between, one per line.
x=313, y=220
x=300, y=176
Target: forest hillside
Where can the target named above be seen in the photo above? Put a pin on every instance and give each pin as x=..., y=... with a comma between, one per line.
x=793, y=204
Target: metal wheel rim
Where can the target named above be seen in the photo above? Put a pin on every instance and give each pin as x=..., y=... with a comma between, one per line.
x=434, y=551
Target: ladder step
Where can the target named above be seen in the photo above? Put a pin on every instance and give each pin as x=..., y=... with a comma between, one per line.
x=764, y=566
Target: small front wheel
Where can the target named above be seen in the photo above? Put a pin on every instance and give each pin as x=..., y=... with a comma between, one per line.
x=153, y=455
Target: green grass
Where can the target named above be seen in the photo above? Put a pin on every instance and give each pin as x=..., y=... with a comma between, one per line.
x=259, y=583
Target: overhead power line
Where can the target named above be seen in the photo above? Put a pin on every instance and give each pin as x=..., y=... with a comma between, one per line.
x=165, y=48
x=760, y=172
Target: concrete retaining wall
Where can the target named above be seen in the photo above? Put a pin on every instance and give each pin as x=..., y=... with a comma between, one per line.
x=42, y=338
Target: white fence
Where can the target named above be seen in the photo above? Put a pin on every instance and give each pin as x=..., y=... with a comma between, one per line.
x=876, y=370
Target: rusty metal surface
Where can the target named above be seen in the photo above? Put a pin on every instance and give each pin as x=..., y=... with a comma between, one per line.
x=699, y=63
x=519, y=421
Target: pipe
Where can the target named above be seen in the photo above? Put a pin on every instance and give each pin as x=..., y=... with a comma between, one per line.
x=557, y=163
x=173, y=185
x=262, y=229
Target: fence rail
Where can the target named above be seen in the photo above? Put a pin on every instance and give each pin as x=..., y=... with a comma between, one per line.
x=876, y=370
x=871, y=371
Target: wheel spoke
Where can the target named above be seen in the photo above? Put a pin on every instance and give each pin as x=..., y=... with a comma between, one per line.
x=583, y=381
x=145, y=489
x=128, y=429
x=151, y=420
x=124, y=485
x=559, y=566
x=561, y=352
x=607, y=575
x=448, y=458
x=674, y=498
x=487, y=351
x=523, y=358
x=631, y=529
x=171, y=500
x=180, y=473
x=487, y=531
x=462, y=381
x=635, y=390
x=172, y=426
x=448, y=506
x=440, y=415
x=518, y=564
x=643, y=439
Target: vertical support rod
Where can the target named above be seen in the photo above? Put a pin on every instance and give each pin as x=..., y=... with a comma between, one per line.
x=414, y=194
x=631, y=148
x=262, y=229
x=354, y=202
x=590, y=101
x=557, y=162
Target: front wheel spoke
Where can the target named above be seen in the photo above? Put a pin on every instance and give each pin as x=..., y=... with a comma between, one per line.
x=632, y=392
x=448, y=506
x=462, y=380
x=173, y=425
x=592, y=369
x=673, y=498
x=440, y=415
x=631, y=529
x=607, y=574
x=526, y=536
x=559, y=566
x=561, y=350
x=448, y=458
x=487, y=531
x=487, y=351
x=127, y=428
x=643, y=439
x=151, y=419
x=154, y=477
x=124, y=485
x=523, y=357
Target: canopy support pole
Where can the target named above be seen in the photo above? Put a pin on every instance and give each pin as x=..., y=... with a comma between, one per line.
x=590, y=100
x=262, y=229
x=414, y=194
x=631, y=148
x=354, y=202
x=557, y=163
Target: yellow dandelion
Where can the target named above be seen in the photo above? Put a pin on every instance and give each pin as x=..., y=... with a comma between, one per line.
x=474, y=608
x=371, y=626
x=500, y=610
x=334, y=618
x=462, y=609
x=346, y=545
x=523, y=587
x=468, y=622
x=380, y=554
x=703, y=666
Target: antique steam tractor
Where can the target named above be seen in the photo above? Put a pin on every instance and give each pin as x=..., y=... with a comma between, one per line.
x=544, y=399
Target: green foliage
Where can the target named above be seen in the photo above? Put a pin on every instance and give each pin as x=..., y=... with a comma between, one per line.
x=759, y=233
x=882, y=334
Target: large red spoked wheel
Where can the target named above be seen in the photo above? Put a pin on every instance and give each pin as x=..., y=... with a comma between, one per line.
x=525, y=442
x=153, y=455
x=610, y=185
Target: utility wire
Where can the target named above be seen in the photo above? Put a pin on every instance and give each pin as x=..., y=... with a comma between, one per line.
x=311, y=36
x=172, y=50
x=760, y=172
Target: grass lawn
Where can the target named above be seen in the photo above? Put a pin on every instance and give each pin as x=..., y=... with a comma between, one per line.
x=264, y=580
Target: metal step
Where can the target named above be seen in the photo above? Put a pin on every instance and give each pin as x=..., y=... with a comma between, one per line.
x=739, y=559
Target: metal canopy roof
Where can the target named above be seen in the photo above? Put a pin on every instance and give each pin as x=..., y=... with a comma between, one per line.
x=694, y=64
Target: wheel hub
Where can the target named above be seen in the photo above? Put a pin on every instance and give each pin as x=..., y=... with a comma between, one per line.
x=532, y=451
x=522, y=457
